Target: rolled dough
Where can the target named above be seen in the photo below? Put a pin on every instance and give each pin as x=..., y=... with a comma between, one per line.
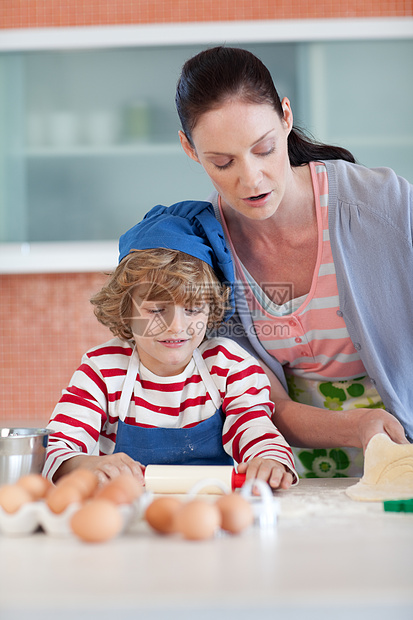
x=388, y=471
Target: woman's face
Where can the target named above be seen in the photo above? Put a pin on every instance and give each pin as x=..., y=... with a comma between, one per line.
x=243, y=149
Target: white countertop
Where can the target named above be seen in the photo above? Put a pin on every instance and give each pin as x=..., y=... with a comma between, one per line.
x=328, y=557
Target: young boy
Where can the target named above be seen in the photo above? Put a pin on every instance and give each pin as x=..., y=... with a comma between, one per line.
x=161, y=391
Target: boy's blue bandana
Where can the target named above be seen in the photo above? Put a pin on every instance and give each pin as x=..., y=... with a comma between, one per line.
x=190, y=227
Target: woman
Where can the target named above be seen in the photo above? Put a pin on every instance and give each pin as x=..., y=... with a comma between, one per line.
x=323, y=254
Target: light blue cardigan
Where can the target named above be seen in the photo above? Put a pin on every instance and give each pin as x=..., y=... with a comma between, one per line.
x=371, y=224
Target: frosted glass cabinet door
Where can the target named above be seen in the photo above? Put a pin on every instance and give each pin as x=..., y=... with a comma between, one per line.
x=91, y=139
x=360, y=95
x=13, y=185
x=100, y=143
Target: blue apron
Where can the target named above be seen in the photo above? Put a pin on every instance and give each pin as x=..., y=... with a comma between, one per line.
x=197, y=445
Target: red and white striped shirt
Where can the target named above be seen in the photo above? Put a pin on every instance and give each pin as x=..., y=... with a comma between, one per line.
x=87, y=413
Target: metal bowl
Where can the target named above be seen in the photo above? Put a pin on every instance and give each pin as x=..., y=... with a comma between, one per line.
x=22, y=451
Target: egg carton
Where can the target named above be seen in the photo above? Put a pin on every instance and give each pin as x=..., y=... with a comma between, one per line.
x=34, y=516
x=37, y=515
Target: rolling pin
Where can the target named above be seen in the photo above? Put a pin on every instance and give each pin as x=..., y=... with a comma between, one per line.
x=181, y=478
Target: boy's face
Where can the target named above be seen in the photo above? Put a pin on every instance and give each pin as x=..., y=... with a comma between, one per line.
x=166, y=334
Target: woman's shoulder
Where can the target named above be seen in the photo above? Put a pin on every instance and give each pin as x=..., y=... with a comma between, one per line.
x=355, y=182
x=377, y=192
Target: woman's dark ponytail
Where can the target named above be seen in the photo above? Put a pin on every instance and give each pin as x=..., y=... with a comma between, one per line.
x=302, y=149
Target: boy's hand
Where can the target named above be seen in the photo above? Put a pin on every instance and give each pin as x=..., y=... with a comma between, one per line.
x=275, y=473
x=105, y=467
x=112, y=465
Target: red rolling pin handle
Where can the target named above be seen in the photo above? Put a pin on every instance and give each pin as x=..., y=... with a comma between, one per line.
x=237, y=480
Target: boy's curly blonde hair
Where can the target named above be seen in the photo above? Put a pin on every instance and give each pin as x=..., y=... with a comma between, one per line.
x=162, y=275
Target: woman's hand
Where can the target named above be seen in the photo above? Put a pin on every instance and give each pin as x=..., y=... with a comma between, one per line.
x=370, y=422
x=307, y=426
x=105, y=467
x=275, y=473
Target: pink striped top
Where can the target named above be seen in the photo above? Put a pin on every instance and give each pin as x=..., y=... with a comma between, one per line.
x=307, y=335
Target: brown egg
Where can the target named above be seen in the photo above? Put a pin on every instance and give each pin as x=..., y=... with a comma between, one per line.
x=84, y=479
x=236, y=513
x=60, y=497
x=123, y=489
x=97, y=521
x=161, y=514
x=198, y=520
x=36, y=485
x=12, y=497
x=130, y=485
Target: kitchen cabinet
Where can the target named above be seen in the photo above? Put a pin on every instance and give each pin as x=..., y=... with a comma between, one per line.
x=359, y=95
x=92, y=139
x=89, y=136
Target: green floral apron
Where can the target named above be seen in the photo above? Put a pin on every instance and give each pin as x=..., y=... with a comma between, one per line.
x=335, y=396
